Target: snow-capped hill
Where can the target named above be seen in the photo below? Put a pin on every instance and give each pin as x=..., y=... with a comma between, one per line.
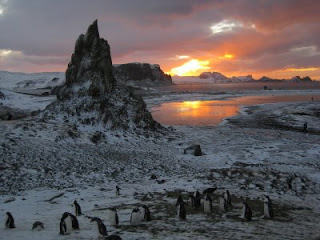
x=299, y=79
x=92, y=96
x=247, y=78
x=141, y=74
x=12, y=80
x=215, y=76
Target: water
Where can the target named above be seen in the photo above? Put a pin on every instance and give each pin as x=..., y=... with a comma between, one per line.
x=210, y=113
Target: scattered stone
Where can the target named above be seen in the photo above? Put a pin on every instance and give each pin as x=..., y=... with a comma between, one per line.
x=153, y=176
x=195, y=150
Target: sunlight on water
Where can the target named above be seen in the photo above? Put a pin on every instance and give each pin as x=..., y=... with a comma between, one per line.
x=208, y=113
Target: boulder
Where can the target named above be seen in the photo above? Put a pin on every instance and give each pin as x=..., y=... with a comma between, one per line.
x=194, y=150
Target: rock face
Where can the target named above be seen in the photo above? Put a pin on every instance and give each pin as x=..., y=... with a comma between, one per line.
x=91, y=94
x=141, y=74
x=90, y=69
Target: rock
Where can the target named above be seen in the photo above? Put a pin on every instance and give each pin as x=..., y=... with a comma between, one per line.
x=195, y=150
x=92, y=96
x=141, y=74
x=90, y=69
x=153, y=176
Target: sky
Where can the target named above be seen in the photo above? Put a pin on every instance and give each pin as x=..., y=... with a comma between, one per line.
x=276, y=38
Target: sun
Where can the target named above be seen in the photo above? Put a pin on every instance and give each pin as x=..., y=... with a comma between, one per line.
x=190, y=68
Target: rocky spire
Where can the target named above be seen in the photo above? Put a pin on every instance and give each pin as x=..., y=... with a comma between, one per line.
x=90, y=69
x=91, y=95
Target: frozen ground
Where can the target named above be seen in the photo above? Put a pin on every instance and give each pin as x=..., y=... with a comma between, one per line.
x=261, y=151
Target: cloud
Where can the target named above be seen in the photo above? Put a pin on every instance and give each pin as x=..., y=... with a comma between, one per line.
x=261, y=35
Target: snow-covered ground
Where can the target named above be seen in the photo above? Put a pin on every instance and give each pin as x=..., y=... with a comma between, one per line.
x=40, y=161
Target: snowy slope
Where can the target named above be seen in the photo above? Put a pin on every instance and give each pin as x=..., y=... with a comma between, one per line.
x=11, y=80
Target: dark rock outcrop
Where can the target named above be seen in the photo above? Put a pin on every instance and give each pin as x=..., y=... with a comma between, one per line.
x=141, y=74
x=91, y=94
x=194, y=150
x=90, y=69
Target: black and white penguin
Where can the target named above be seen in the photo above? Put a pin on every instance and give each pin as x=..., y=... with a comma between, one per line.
x=135, y=217
x=77, y=208
x=179, y=200
x=9, y=221
x=181, y=210
x=246, y=212
x=117, y=191
x=227, y=197
x=101, y=227
x=207, y=205
x=113, y=217
x=146, y=215
x=197, y=199
x=65, y=224
x=267, y=207
x=223, y=206
x=38, y=226
x=74, y=222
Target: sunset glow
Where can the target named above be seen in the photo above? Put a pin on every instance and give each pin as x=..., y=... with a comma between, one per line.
x=227, y=56
x=192, y=68
x=302, y=69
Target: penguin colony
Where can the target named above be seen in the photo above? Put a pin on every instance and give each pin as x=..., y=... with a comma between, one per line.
x=69, y=222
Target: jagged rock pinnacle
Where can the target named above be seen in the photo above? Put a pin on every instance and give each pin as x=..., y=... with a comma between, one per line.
x=91, y=95
x=90, y=69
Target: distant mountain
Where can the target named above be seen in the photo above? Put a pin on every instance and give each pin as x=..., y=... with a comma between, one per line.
x=299, y=79
x=217, y=77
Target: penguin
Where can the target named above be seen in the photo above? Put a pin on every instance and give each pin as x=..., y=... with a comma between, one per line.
x=207, y=205
x=10, y=221
x=181, y=210
x=227, y=197
x=179, y=200
x=246, y=212
x=146, y=213
x=63, y=227
x=74, y=222
x=113, y=217
x=197, y=199
x=65, y=224
x=38, y=226
x=192, y=200
x=135, y=217
x=117, y=191
x=223, y=206
x=77, y=208
x=101, y=227
x=267, y=207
